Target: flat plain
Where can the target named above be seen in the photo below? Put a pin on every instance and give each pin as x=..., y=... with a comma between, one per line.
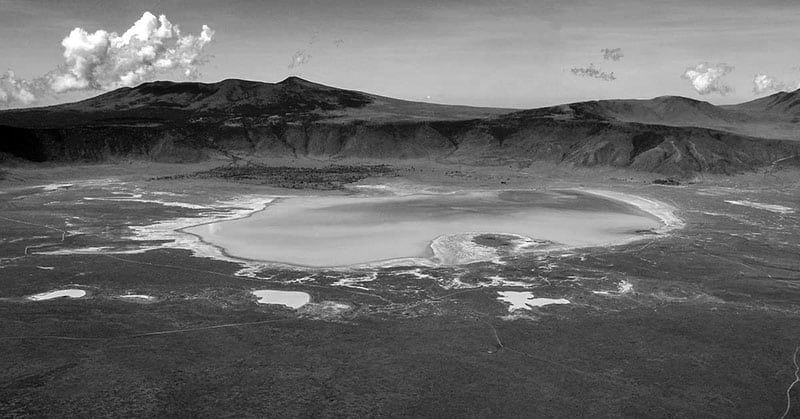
x=700, y=321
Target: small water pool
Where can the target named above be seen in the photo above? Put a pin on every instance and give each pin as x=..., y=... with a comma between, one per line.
x=69, y=293
x=291, y=299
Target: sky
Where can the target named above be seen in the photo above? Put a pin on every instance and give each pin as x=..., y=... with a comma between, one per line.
x=502, y=53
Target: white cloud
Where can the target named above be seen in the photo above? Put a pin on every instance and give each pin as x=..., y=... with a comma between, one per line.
x=763, y=83
x=151, y=46
x=104, y=60
x=707, y=78
x=16, y=90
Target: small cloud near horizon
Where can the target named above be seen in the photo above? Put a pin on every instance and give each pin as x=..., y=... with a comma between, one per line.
x=593, y=72
x=706, y=78
x=299, y=58
x=763, y=83
x=302, y=56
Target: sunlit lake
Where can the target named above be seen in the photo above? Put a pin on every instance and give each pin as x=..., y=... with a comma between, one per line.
x=346, y=230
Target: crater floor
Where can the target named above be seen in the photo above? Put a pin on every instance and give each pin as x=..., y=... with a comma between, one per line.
x=697, y=321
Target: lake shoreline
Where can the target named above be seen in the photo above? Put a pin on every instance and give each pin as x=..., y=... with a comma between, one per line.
x=656, y=210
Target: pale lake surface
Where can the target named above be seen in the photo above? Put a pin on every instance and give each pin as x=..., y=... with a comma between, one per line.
x=346, y=230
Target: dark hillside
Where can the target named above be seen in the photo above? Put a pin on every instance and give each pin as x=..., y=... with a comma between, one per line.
x=178, y=122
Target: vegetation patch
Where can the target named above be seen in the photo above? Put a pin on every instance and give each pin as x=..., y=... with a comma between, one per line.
x=668, y=181
x=495, y=240
x=325, y=178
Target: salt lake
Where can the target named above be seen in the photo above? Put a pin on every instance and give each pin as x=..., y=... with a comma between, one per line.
x=328, y=231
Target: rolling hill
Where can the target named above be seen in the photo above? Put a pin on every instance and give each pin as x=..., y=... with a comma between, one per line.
x=180, y=122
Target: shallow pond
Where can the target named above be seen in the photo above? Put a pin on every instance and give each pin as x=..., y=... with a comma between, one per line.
x=349, y=230
x=524, y=300
x=70, y=293
x=292, y=299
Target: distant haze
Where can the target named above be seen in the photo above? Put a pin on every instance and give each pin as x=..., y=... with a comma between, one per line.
x=507, y=53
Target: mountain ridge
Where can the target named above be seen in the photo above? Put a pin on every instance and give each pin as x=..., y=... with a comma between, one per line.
x=171, y=121
x=300, y=85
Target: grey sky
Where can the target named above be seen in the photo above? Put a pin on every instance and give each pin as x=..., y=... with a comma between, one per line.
x=498, y=53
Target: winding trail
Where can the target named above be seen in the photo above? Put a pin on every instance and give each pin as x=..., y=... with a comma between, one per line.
x=496, y=336
x=260, y=281
x=729, y=260
x=501, y=346
x=141, y=335
x=796, y=380
x=62, y=231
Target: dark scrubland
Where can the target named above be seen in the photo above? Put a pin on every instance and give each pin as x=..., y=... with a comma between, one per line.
x=324, y=178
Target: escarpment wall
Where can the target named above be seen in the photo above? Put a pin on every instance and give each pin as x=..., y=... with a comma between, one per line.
x=652, y=148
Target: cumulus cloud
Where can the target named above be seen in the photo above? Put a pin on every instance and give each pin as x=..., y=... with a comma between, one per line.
x=613, y=54
x=16, y=90
x=593, y=72
x=105, y=60
x=706, y=78
x=763, y=83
